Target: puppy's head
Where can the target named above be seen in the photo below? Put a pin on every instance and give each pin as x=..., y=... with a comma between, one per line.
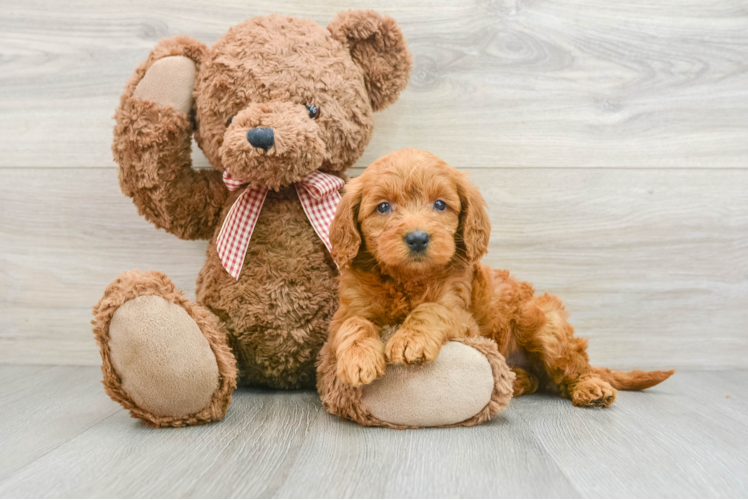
x=411, y=214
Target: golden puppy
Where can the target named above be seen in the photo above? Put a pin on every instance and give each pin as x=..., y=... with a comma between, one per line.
x=408, y=237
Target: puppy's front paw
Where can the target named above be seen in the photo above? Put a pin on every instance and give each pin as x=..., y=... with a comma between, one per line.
x=361, y=364
x=411, y=347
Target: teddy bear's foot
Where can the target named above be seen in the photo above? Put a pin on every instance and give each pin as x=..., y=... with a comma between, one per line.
x=468, y=383
x=164, y=358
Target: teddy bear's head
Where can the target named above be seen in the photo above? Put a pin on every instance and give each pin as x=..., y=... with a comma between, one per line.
x=277, y=98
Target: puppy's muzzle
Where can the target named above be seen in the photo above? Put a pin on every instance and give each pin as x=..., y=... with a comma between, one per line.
x=417, y=241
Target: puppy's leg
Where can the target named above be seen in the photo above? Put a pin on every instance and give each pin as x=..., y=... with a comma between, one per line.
x=359, y=352
x=543, y=331
x=525, y=382
x=425, y=330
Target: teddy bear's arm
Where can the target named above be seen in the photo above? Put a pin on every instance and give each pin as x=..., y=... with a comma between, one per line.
x=152, y=144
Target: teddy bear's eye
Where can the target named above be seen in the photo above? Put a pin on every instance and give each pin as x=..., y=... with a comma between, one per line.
x=229, y=121
x=313, y=110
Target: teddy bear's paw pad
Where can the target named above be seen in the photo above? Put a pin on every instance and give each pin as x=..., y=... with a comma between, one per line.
x=169, y=82
x=456, y=386
x=162, y=358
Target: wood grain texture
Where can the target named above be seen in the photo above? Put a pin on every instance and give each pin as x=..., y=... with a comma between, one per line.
x=653, y=264
x=664, y=442
x=42, y=408
x=500, y=459
x=496, y=82
x=248, y=454
x=681, y=439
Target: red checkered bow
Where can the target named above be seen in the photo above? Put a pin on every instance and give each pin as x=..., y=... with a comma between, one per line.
x=318, y=193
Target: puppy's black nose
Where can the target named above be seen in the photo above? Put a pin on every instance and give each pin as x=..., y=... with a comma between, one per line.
x=261, y=137
x=417, y=240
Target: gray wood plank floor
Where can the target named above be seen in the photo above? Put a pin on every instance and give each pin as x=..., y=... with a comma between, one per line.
x=62, y=437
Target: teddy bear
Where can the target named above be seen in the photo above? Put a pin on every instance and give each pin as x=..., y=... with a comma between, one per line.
x=281, y=107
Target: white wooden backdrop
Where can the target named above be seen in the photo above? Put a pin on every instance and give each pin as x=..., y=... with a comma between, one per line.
x=610, y=139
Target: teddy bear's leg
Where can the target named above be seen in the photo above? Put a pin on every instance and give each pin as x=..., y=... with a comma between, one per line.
x=468, y=383
x=164, y=358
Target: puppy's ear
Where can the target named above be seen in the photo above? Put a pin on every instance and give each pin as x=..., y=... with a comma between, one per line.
x=475, y=225
x=345, y=238
x=378, y=47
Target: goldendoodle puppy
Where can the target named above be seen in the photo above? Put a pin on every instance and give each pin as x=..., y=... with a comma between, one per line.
x=408, y=236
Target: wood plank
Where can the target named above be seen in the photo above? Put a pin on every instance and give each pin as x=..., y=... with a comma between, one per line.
x=670, y=441
x=653, y=264
x=496, y=83
x=251, y=449
x=725, y=393
x=664, y=442
x=501, y=459
x=641, y=258
x=42, y=408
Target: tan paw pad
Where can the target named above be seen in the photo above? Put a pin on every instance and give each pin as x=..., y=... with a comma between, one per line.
x=162, y=358
x=453, y=388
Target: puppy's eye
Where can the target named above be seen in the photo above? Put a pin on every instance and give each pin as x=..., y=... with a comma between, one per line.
x=229, y=121
x=384, y=208
x=440, y=206
x=313, y=110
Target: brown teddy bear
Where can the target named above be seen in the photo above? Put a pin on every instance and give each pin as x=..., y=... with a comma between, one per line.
x=281, y=107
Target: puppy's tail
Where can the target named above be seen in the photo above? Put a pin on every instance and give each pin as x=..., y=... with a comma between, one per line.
x=632, y=381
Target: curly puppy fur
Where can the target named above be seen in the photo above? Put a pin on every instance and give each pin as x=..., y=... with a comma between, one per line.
x=441, y=292
x=262, y=73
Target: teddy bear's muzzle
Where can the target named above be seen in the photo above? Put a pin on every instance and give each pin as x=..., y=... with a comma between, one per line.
x=273, y=144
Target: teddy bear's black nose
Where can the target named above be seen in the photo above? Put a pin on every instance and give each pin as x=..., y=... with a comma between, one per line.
x=417, y=240
x=261, y=137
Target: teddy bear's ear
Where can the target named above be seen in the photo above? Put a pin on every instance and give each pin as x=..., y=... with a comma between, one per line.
x=378, y=47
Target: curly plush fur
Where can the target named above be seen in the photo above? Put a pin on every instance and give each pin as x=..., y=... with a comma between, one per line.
x=262, y=73
x=442, y=292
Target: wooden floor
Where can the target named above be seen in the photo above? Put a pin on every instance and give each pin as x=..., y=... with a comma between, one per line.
x=61, y=436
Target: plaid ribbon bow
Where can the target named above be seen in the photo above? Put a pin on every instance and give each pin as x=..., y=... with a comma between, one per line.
x=318, y=193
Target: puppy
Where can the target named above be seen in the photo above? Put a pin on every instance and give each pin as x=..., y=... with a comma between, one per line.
x=408, y=237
